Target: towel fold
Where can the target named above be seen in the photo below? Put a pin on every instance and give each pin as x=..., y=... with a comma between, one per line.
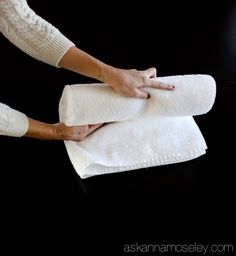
x=140, y=133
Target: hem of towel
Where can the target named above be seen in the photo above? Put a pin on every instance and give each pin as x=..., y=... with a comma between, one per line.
x=161, y=160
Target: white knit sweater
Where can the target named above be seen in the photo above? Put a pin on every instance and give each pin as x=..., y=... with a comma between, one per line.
x=38, y=38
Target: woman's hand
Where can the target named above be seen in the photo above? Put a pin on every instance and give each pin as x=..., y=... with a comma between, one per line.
x=60, y=131
x=78, y=133
x=132, y=82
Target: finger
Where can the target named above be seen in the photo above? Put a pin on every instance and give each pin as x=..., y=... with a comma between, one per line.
x=83, y=128
x=158, y=85
x=137, y=93
x=150, y=73
x=130, y=91
x=93, y=127
x=78, y=133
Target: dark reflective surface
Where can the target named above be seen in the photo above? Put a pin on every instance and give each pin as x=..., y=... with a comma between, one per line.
x=46, y=204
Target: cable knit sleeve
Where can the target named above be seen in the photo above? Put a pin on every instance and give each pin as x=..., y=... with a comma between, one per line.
x=12, y=122
x=31, y=33
x=36, y=37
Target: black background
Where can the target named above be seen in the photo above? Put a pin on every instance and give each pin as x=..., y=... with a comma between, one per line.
x=47, y=207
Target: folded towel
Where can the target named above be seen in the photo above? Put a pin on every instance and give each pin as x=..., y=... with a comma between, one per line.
x=140, y=133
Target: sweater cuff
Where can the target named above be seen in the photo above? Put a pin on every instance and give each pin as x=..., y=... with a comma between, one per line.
x=55, y=48
x=20, y=124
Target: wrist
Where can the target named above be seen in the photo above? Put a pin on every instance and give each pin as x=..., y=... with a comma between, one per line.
x=106, y=73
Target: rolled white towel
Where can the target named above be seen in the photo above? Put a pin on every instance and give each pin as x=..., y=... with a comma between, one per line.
x=98, y=103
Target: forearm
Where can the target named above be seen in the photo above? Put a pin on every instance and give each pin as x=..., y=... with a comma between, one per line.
x=40, y=130
x=85, y=64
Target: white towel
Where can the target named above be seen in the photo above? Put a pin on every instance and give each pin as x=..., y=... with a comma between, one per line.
x=140, y=133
